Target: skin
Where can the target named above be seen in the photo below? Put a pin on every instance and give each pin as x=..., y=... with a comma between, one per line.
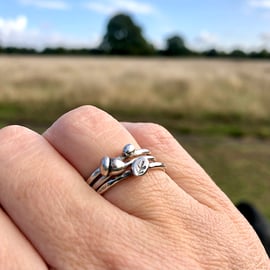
x=51, y=219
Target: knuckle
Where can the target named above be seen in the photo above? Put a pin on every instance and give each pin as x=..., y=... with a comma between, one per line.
x=159, y=135
x=82, y=112
x=81, y=116
x=10, y=132
x=12, y=138
x=17, y=148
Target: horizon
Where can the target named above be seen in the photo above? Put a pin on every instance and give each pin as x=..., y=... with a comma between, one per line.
x=223, y=25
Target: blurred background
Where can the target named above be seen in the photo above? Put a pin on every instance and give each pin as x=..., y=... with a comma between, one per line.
x=200, y=68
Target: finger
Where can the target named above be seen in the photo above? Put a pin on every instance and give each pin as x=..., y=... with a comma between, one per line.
x=181, y=167
x=87, y=134
x=15, y=250
x=50, y=202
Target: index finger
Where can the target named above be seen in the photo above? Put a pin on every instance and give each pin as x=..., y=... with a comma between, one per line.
x=50, y=202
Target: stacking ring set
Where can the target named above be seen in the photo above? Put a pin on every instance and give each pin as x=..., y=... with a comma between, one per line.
x=132, y=162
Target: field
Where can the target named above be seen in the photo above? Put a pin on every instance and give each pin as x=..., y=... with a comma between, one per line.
x=218, y=109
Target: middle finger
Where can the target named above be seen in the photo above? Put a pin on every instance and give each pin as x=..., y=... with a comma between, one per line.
x=85, y=135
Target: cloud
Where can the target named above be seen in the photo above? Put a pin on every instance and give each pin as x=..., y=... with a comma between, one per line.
x=12, y=26
x=59, y=40
x=100, y=8
x=35, y=38
x=113, y=6
x=16, y=32
x=260, y=3
x=206, y=38
x=265, y=37
x=46, y=4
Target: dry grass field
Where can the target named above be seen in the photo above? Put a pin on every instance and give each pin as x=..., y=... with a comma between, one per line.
x=219, y=87
x=218, y=109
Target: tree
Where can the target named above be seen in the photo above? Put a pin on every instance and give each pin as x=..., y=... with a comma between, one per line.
x=124, y=37
x=263, y=54
x=211, y=53
x=175, y=46
x=237, y=53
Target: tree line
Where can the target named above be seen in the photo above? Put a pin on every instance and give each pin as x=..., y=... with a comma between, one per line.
x=124, y=37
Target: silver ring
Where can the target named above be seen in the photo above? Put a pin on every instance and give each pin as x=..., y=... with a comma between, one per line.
x=132, y=162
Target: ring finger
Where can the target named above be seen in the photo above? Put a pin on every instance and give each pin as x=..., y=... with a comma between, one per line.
x=181, y=167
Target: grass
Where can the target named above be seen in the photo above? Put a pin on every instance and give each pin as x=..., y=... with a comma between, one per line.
x=218, y=109
x=239, y=166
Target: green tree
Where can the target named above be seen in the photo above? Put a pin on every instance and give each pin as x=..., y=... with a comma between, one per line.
x=175, y=46
x=263, y=54
x=124, y=37
x=211, y=53
x=237, y=53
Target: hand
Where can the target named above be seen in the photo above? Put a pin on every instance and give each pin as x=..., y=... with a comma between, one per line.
x=51, y=219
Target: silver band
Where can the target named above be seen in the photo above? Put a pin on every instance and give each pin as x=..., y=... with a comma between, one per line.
x=132, y=162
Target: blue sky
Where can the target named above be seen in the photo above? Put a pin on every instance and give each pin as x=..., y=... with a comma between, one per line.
x=224, y=24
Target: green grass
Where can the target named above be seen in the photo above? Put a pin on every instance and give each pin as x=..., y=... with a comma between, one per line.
x=44, y=113
x=239, y=166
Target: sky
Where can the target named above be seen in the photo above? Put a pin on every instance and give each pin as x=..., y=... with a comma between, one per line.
x=223, y=24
